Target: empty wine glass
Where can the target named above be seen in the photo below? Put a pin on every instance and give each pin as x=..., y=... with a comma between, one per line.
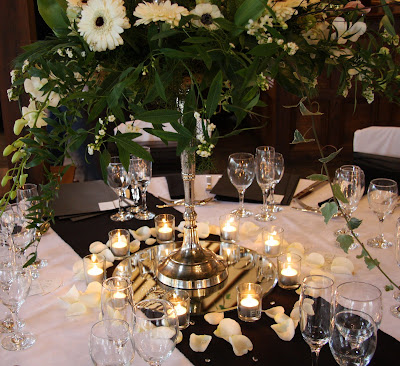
x=360, y=296
x=111, y=343
x=141, y=174
x=351, y=180
x=353, y=338
x=241, y=174
x=155, y=330
x=382, y=198
x=315, y=312
x=279, y=170
x=265, y=173
x=395, y=310
x=15, y=283
x=119, y=180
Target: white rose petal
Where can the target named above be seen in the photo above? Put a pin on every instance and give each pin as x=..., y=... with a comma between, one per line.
x=78, y=266
x=153, y=231
x=298, y=247
x=315, y=260
x=93, y=287
x=272, y=312
x=163, y=332
x=109, y=264
x=76, y=308
x=199, y=343
x=91, y=299
x=97, y=247
x=203, y=230
x=108, y=255
x=179, y=338
x=284, y=330
x=226, y=328
x=240, y=344
x=281, y=317
x=320, y=272
x=134, y=246
x=142, y=234
x=215, y=230
x=150, y=241
x=343, y=262
x=214, y=318
x=71, y=296
x=341, y=270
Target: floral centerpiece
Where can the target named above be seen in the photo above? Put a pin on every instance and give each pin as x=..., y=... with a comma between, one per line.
x=180, y=62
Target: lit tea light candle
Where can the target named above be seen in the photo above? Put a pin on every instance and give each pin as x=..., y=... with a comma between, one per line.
x=273, y=238
x=272, y=246
x=164, y=232
x=289, y=270
x=165, y=228
x=249, y=301
x=289, y=276
x=229, y=227
x=181, y=312
x=119, y=299
x=119, y=240
x=95, y=272
x=180, y=300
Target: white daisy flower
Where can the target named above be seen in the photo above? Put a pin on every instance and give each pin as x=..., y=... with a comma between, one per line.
x=162, y=11
x=102, y=23
x=206, y=13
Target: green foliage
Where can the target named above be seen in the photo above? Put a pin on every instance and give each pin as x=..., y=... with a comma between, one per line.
x=345, y=241
x=328, y=210
x=319, y=177
x=299, y=138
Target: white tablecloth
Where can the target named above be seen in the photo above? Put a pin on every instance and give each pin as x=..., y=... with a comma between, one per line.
x=63, y=341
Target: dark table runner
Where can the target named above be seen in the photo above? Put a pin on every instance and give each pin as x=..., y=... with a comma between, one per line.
x=268, y=348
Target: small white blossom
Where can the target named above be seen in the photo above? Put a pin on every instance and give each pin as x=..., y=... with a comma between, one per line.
x=291, y=48
x=60, y=52
x=25, y=65
x=280, y=42
x=102, y=132
x=131, y=117
x=111, y=118
x=13, y=75
x=384, y=51
x=10, y=95
x=83, y=54
x=368, y=94
x=90, y=149
x=69, y=53
x=101, y=121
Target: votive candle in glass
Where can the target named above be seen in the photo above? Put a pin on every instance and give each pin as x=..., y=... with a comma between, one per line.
x=272, y=238
x=180, y=299
x=119, y=243
x=289, y=270
x=229, y=252
x=165, y=228
x=249, y=300
x=94, y=266
x=229, y=228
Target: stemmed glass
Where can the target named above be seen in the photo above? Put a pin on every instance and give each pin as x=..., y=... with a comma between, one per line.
x=351, y=180
x=141, y=174
x=315, y=312
x=15, y=283
x=382, y=198
x=119, y=180
x=155, y=330
x=353, y=338
x=395, y=310
x=265, y=173
x=359, y=296
x=111, y=343
x=241, y=174
x=279, y=170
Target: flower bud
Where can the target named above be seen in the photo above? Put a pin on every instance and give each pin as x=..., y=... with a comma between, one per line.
x=13, y=194
x=22, y=179
x=5, y=179
x=18, y=144
x=8, y=150
x=19, y=125
x=17, y=155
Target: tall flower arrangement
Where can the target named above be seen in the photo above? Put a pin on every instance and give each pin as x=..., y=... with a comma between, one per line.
x=181, y=62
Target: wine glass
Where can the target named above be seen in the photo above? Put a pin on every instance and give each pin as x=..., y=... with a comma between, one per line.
x=360, y=296
x=279, y=170
x=119, y=180
x=353, y=338
x=116, y=298
x=265, y=173
x=141, y=174
x=395, y=310
x=155, y=330
x=315, y=312
x=111, y=343
x=351, y=180
x=15, y=283
x=382, y=198
x=241, y=174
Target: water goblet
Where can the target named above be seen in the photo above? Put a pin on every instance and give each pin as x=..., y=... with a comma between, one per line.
x=351, y=180
x=315, y=312
x=382, y=198
x=119, y=180
x=111, y=343
x=359, y=296
x=265, y=173
x=241, y=174
x=15, y=283
x=395, y=309
x=279, y=170
x=141, y=173
x=155, y=330
x=353, y=338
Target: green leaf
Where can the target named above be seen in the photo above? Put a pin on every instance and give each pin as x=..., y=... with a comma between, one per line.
x=163, y=135
x=105, y=159
x=371, y=263
x=298, y=138
x=328, y=210
x=389, y=288
x=172, y=53
x=97, y=109
x=264, y=50
x=306, y=112
x=31, y=260
x=354, y=223
x=363, y=254
x=337, y=192
x=214, y=94
x=345, y=241
x=164, y=34
x=53, y=13
x=250, y=9
x=330, y=157
x=124, y=153
x=159, y=116
x=204, y=56
x=160, y=87
x=227, y=296
x=130, y=147
x=181, y=130
x=319, y=177
x=198, y=40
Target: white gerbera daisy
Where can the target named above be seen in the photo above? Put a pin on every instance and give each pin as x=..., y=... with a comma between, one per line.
x=102, y=22
x=163, y=11
x=205, y=14
x=79, y=3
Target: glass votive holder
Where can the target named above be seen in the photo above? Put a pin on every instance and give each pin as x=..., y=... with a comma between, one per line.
x=289, y=271
x=116, y=298
x=165, y=228
x=164, y=250
x=145, y=262
x=229, y=252
x=229, y=228
x=272, y=237
x=180, y=299
x=249, y=300
x=94, y=267
x=119, y=240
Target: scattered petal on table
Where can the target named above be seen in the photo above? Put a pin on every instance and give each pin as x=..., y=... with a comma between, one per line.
x=150, y=241
x=199, y=343
x=296, y=246
x=76, y=308
x=97, y=247
x=134, y=246
x=142, y=234
x=93, y=287
x=226, y=328
x=274, y=311
x=203, y=230
x=341, y=270
x=108, y=255
x=179, y=338
x=343, y=262
x=214, y=318
x=320, y=272
x=215, y=230
x=249, y=228
x=91, y=299
x=240, y=344
x=315, y=260
x=280, y=317
x=153, y=231
x=284, y=330
x=71, y=296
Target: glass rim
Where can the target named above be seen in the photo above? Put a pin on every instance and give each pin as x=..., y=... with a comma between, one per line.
x=296, y=258
x=265, y=148
x=106, y=283
x=329, y=284
x=114, y=231
x=242, y=155
x=162, y=301
x=358, y=312
x=359, y=283
x=392, y=182
x=249, y=286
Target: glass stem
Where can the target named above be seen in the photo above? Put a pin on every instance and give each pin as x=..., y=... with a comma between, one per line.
x=271, y=194
x=266, y=195
x=315, y=356
x=120, y=203
x=241, y=200
x=380, y=236
x=144, y=198
x=17, y=337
